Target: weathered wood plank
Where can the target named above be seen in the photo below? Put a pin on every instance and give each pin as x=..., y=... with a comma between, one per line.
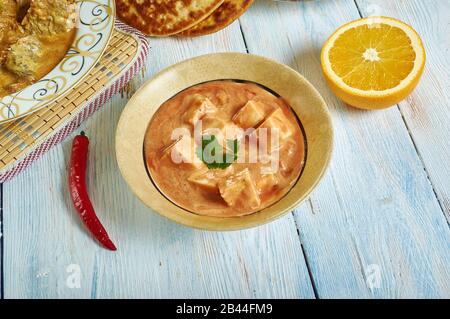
x=376, y=209
x=42, y=236
x=427, y=111
x=156, y=258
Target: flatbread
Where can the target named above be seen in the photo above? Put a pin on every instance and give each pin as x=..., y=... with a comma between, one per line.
x=228, y=12
x=167, y=17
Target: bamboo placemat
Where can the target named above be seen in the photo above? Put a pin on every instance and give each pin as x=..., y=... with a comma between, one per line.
x=24, y=140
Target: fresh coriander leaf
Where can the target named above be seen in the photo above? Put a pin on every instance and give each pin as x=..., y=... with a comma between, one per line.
x=212, y=153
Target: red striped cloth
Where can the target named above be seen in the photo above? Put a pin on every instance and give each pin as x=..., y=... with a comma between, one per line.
x=88, y=109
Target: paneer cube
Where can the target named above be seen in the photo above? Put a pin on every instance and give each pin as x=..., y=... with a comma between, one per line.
x=239, y=191
x=206, y=179
x=287, y=159
x=267, y=183
x=250, y=115
x=211, y=125
x=183, y=152
x=220, y=129
x=278, y=120
x=198, y=106
x=209, y=179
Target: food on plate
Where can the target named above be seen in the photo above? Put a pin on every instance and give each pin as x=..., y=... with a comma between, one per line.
x=223, y=16
x=373, y=63
x=163, y=18
x=23, y=56
x=32, y=48
x=79, y=194
x=10, y=30
x=50, y=17
x=224, y=148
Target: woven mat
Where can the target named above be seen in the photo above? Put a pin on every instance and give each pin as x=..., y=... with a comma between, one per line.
x=26, y=139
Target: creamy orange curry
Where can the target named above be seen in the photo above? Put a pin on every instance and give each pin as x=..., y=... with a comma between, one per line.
x=224, y=148
x=30, y=47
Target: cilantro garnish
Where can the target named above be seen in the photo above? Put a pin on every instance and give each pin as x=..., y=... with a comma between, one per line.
x=213, y=155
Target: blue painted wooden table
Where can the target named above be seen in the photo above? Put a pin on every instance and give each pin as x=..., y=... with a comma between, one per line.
x=376, y=227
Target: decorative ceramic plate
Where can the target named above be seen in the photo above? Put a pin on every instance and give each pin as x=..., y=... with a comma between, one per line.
x=303, y=98
x=94, y=29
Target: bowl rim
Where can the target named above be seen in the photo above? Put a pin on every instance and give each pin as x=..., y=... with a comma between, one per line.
x=79, y=34
x=159, y=203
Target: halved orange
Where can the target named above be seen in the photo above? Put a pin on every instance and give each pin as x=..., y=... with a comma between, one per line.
x=373, y=63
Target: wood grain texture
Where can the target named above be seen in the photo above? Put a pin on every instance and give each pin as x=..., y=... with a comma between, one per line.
x=427, y=111
x=376, y=206
x=156, y=258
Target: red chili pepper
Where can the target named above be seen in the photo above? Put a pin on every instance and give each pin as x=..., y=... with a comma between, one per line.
x=79, y=194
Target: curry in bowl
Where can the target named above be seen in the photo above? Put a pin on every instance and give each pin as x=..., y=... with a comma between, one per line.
x=31, y=46
x=224, y=148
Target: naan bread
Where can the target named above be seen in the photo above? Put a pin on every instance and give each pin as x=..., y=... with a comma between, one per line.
x=163, y=18
x=228, y=12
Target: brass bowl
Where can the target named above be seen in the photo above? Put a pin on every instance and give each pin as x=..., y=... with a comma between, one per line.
x=304, y=99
